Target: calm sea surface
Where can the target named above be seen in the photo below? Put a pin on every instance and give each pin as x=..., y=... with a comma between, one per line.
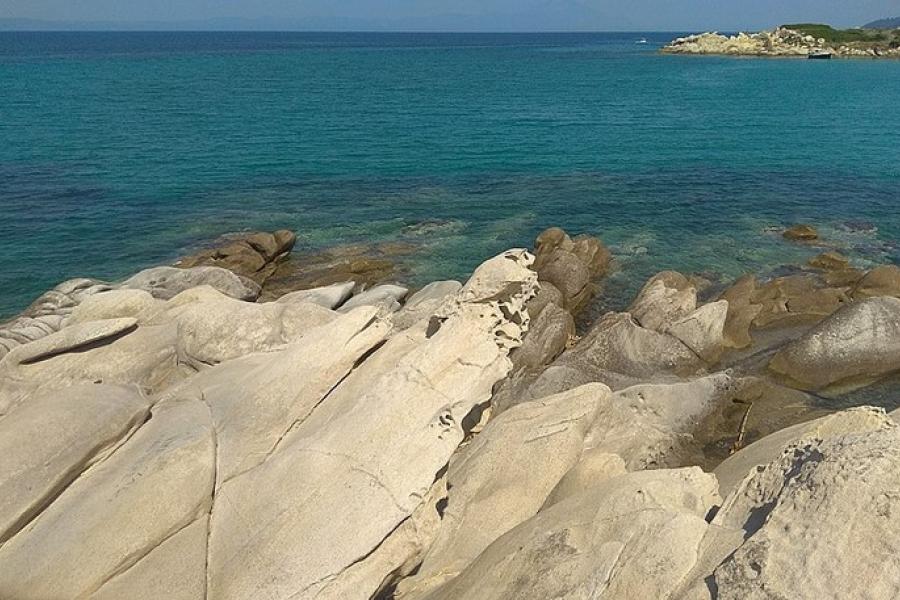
x=124, y=150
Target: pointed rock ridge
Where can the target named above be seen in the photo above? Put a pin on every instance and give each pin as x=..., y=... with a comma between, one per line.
x=617, y=343
x=666, y=298
x=48, y=442
x=386, y=296
x=860, y=342
x=345, y=487
x=703, y=330
x=494, y=485
x=570, y=265
x=161, y=478
x=167, y=282
x=605, y=540
x=805, y=517
x=256, y=400
x=330, y=296
x=741, y=312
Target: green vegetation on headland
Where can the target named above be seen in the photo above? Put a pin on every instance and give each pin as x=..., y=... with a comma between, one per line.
x=847, y=36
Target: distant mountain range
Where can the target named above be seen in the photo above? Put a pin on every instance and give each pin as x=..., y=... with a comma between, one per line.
x=883, y=24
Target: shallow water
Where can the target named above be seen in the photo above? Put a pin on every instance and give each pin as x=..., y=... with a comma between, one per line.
x=121, y=151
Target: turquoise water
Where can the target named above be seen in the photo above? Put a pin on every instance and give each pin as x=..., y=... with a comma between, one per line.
x=119, y=151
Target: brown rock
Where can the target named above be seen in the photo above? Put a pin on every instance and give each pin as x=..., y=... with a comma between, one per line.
x=880, y=281
x=801, y=233
x=830, y=261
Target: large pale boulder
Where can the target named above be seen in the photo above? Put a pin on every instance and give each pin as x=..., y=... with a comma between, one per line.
x=424, y=303
x=385, y=296
x=115, y=304
x=494, y=484
x=213, y=327
x=633, y=536
x=114, y=351
x=118, y=511
x=330, y=296
x=346, y=486
x=48, y=442
x=168, y=282
x=739, y=465
x=650, y=425
x=174, y=570
x=255, y=401
x=860, y=342
x=819, y=522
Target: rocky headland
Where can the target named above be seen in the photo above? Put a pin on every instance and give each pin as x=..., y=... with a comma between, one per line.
x=244, y=425
x=788, y=41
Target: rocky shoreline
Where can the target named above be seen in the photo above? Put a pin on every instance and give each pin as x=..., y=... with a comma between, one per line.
x=780, y=42
x=242, y=425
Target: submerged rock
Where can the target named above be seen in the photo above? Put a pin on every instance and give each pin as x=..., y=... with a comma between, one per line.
x=801, y=232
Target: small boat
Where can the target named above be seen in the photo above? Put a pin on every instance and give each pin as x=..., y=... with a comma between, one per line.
x=641, y=41
x=819, y=55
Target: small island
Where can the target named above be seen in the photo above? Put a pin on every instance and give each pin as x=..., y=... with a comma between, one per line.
x=794, y=40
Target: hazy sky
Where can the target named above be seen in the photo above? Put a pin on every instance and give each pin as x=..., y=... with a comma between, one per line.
x=467, y=14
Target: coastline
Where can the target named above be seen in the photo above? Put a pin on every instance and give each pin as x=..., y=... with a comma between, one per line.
x=443, y=432
x=781, y=42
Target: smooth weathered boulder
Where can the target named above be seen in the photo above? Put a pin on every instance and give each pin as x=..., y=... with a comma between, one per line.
x=634, y=536
x=617, y=343
x=213, y=327
x=547, y=338
x=651, y=425
x=346, y=486
x=424, y=303
x=114, y=351
x=167, y=282
x=49, y=441
x=115, y=304
x=742, y=311
x=385, y=296
x=703, y=330
x=494, y=485
x=255, y=401
x=547, y=294
x=880, y=281
x=174, y=570
x=665, y=299
x=860, y=342
x=330, y=296
x=594, y=467
x=118, y=511
x=819, y=522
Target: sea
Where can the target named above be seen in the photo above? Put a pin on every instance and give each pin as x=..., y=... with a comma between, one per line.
x=120, y=151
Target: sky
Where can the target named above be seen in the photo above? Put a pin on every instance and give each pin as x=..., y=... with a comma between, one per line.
x=457, y=15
